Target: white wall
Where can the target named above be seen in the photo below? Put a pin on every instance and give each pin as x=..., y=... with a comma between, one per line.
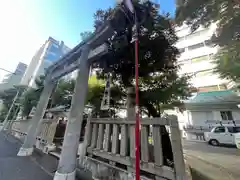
x=27, y=77
x=186, y=38
x=198, y=118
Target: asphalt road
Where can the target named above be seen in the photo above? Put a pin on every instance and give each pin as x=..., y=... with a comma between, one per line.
x=227, y=159
x=13, y=167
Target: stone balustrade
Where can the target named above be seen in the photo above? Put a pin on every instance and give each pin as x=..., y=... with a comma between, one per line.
x=19, y=129
x=109, y=149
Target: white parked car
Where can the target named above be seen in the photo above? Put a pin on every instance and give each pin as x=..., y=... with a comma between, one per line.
x=222, y=135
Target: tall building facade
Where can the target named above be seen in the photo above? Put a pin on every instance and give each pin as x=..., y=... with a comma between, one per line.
x=197, y=56
x=50, y=52
x=13, y=79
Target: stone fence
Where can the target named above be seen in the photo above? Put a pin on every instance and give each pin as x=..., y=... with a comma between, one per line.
x=19, y=129
x=109, y=149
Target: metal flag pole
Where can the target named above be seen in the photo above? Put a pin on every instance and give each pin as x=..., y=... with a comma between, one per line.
x=129, y=5
x=137, y=125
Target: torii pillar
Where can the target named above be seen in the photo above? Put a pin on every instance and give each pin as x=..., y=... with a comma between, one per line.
x=33, y=130
x=68, y=160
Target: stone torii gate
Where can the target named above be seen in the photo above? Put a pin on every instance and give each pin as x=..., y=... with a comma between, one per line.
x=81, y=57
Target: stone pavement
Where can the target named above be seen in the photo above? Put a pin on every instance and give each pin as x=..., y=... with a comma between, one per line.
x=12, y=167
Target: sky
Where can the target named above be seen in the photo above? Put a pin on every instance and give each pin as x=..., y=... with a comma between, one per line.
x=27, y=24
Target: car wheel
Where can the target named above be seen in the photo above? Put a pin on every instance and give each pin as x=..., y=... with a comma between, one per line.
x=214, y=142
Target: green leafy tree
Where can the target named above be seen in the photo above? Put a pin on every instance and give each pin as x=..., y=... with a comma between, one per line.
x=30, y=97
x=85, y=35
x=95, y=94
x=226, y=14
x=7, y=98
x=63, y=93
x=159, y=82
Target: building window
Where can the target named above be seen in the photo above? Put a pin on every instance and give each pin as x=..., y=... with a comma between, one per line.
x=222, y=87
x=181, y=38
x=212, y=88
x=200, y=58
x=181, y=50
x=226, y=115
x=208, y=88
x=197, y=34
x=204, y=73
x=196, y=46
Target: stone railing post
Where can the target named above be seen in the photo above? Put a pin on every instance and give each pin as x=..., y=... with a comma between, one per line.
x=131, y=117
x=50, y=136
x=87, y=139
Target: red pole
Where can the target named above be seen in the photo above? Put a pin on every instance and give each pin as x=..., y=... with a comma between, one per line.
x=137, y=125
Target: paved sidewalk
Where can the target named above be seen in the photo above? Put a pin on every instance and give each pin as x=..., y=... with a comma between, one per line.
x=12, y=167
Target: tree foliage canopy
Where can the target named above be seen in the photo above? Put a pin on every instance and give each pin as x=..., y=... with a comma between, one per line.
x=226, y=14
x=159, y=82
x=30, y=97
x=85, y=35
x=7, y=98
x=62, y=95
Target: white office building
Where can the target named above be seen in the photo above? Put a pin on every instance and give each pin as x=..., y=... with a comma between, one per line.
x=50, y=52
x=213, y=101
x=13, y=79
x=196, y=58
